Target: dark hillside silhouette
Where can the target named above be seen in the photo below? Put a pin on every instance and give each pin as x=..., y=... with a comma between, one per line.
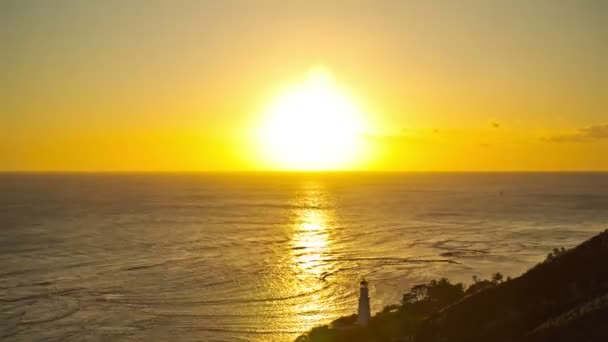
x=565, y=298
x=515, y=309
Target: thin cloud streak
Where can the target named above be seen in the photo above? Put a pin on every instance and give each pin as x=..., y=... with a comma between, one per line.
x=588, y=134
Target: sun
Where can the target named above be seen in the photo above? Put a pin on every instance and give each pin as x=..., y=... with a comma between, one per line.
x=312, y=125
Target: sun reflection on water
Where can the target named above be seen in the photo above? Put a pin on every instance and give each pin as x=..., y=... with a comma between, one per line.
x=310, y=242
x=311, y=246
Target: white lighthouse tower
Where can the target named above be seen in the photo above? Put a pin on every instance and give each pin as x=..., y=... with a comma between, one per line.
x=363, y=313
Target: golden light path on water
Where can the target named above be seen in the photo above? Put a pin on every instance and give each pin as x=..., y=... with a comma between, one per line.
x=311, y=247
x=310, y=235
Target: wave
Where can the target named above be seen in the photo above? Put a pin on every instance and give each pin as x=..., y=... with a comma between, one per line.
x=137, y=301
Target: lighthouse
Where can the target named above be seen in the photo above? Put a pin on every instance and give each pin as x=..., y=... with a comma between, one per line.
x=363, y=313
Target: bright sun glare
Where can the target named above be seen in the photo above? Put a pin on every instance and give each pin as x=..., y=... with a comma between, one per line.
x=312, y=125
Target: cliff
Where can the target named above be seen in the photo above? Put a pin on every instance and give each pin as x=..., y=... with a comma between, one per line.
x=564, y=298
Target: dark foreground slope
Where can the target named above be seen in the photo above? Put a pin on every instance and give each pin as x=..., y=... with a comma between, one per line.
x=564, y=298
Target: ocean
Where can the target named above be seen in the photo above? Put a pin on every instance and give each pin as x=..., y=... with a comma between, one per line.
x=263, y=256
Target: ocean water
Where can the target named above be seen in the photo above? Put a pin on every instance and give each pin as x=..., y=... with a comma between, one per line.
x=262, y=257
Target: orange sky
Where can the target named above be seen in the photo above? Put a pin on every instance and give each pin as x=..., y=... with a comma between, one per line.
x=182, y=86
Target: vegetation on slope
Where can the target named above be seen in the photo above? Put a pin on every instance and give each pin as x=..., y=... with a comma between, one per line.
x=564, y=298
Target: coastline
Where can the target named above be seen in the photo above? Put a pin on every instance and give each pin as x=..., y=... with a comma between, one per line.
x=564, y=298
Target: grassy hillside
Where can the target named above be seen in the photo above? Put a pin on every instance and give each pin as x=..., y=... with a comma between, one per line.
x=564, y=298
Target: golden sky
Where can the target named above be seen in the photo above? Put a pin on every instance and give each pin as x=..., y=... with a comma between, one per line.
x=185, y=85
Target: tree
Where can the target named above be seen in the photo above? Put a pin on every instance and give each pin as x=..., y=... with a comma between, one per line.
x=497, y=278
x=443, y=292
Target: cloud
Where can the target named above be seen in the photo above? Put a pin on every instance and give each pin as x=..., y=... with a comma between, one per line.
x=587, y=134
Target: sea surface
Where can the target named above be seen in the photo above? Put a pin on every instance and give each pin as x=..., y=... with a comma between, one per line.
x=262, y=257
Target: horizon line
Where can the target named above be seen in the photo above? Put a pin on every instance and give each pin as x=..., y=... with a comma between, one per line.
x=290, y=171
